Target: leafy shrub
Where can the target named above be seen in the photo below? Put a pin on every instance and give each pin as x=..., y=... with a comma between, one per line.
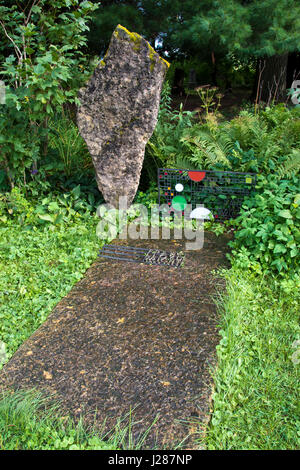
x=19, y=146
x=271, y=136
x=15, y=207
x=149, y=197
x=55, y=209
x=206, y=148
x=44, y=69
x=269, y=227
x=279, y=115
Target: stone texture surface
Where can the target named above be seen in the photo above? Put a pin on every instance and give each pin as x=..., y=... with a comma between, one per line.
x=118, y=112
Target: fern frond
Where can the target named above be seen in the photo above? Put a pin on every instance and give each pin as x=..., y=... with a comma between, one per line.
x=291, y=166
x=185, y=163
x=212, y=148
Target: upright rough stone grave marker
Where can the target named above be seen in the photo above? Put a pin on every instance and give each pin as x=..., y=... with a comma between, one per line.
x=118, y=112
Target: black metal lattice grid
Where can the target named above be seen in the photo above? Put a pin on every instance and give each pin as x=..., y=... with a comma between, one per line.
x=142, y=255
x=222, y=192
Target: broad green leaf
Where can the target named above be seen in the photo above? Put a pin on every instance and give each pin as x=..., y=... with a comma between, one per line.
x=279, y=248
x=76, y=191
x=53, y=206
x=285, y=214
x=48, y=217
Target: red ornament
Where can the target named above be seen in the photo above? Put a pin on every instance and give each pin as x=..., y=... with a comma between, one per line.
x=197, y=175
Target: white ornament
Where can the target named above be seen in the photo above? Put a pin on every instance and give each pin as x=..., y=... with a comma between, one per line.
x=179, y=187
x=200, y=213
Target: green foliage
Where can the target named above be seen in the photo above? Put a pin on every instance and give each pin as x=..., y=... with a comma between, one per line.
x=15, y=207
x=211, y=25
x=50, y=211
x=270, y=136
x=43, y=68
x=257, y=28
x=19, y=146
x=274, y=27
x=265, y=142
x=291, y=165
x=149, y=197
x=206, y=149
x=193, y=28
x=255, y=402
x=268, y=233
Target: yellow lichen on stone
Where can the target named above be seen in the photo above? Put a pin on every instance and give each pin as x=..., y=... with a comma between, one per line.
x=152, y=57
x=152, y=54
x=136, y=38
x=133, y=36
x=102, y=61
x=165, y=61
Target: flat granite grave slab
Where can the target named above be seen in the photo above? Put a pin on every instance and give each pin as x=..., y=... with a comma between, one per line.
x=132, y=335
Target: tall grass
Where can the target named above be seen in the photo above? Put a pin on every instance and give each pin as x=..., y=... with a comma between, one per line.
x=65, y=139
x=256, y=399
x=30, y=421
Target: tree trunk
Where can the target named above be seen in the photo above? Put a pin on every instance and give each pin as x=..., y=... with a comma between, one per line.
x=255, y=83
x=214, y=69
x=293, y=68
x=272, y=83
